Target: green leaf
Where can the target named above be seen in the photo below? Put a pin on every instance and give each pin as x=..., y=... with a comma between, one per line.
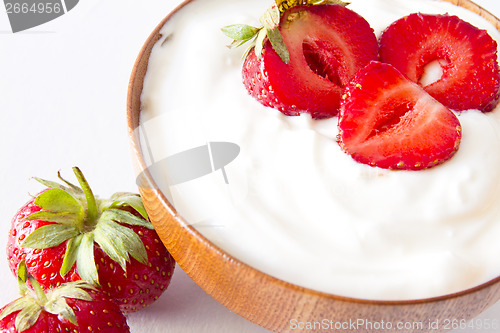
x=49, y=184
x=278, y=44
x=75, y=290
x=49, y=236
x=22, y=276
x=119, y=241
x=57, y=217
x=57, y=304
x=74, y=188
x=129, y=199
x=28, y=316
x=107, y=235
x=135, y=246
x=57, y=200
x=40, y=294
x=17, y=305
x=85, y=262
x=123, y=216
x=70, y=254
x=240, y=32
x=59, y=307
x=55, y=301
x=237, y=43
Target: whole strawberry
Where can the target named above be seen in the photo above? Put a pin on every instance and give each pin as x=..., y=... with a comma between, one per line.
x=71, y=307
x=66, y=234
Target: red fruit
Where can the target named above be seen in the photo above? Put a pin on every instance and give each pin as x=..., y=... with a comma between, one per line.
x=72, y=307
x=467, y=55
x=327, y=45
x=113, y=244
x=388, y=121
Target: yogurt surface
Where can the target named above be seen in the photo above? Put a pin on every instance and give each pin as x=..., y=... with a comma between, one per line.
x=295, y=206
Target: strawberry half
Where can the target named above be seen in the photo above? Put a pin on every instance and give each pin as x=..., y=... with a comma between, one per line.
x=467, y=55
x=388, y=121
x=66, y=234
x=308, y=58
x=71, y=307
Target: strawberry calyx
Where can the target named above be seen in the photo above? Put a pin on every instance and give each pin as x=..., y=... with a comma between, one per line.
x=81, y=219
x=270, y=21
x=31, y=304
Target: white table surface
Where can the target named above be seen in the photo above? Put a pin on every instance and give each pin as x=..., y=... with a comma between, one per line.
x=63, y=89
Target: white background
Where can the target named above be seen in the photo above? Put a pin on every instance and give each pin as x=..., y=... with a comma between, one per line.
x=63, y=88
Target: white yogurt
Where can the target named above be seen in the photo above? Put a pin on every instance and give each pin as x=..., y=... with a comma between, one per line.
x=296, y=206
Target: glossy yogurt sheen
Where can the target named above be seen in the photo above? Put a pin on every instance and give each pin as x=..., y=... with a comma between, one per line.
x=297, y=207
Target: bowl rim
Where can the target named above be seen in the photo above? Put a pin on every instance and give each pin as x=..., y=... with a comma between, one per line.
x=133, y=123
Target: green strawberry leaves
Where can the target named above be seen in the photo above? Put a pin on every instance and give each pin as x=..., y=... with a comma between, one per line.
x=122, y=199
x=85, y=262
x=28, y=316
x=56, y=199
x=242, y=33
x=71, y=253
x=123, y=216
x=278, y=44
x=50, y=235
x=59, y=206
x=119, y=248
x=29, y=306
x=57, y=305
x=59, y=217
x=22, y=276
x=84, y=222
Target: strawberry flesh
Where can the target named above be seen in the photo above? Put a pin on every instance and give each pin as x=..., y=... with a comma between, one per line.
x=327, y=45
x=467, y=55
x=388, y=121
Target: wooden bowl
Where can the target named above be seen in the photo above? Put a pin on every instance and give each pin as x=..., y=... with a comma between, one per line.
x=272, y=303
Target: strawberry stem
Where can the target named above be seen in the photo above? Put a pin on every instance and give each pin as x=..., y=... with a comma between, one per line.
x=92, y=212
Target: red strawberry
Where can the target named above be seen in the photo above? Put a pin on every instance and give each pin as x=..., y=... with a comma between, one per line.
x=388, y=121
x=467, y=55
x=111, y=241
x=71, y=307
x=308, y=58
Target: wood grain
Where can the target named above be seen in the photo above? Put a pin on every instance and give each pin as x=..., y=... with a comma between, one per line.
x=262, y=299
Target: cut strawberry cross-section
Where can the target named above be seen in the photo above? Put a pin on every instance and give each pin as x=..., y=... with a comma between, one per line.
x=388, y=121
x=305, y=62
x=467, y=55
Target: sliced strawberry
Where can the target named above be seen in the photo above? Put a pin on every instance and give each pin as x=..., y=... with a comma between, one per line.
x=467, y=55
x=327, y=45
x=388, y=121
